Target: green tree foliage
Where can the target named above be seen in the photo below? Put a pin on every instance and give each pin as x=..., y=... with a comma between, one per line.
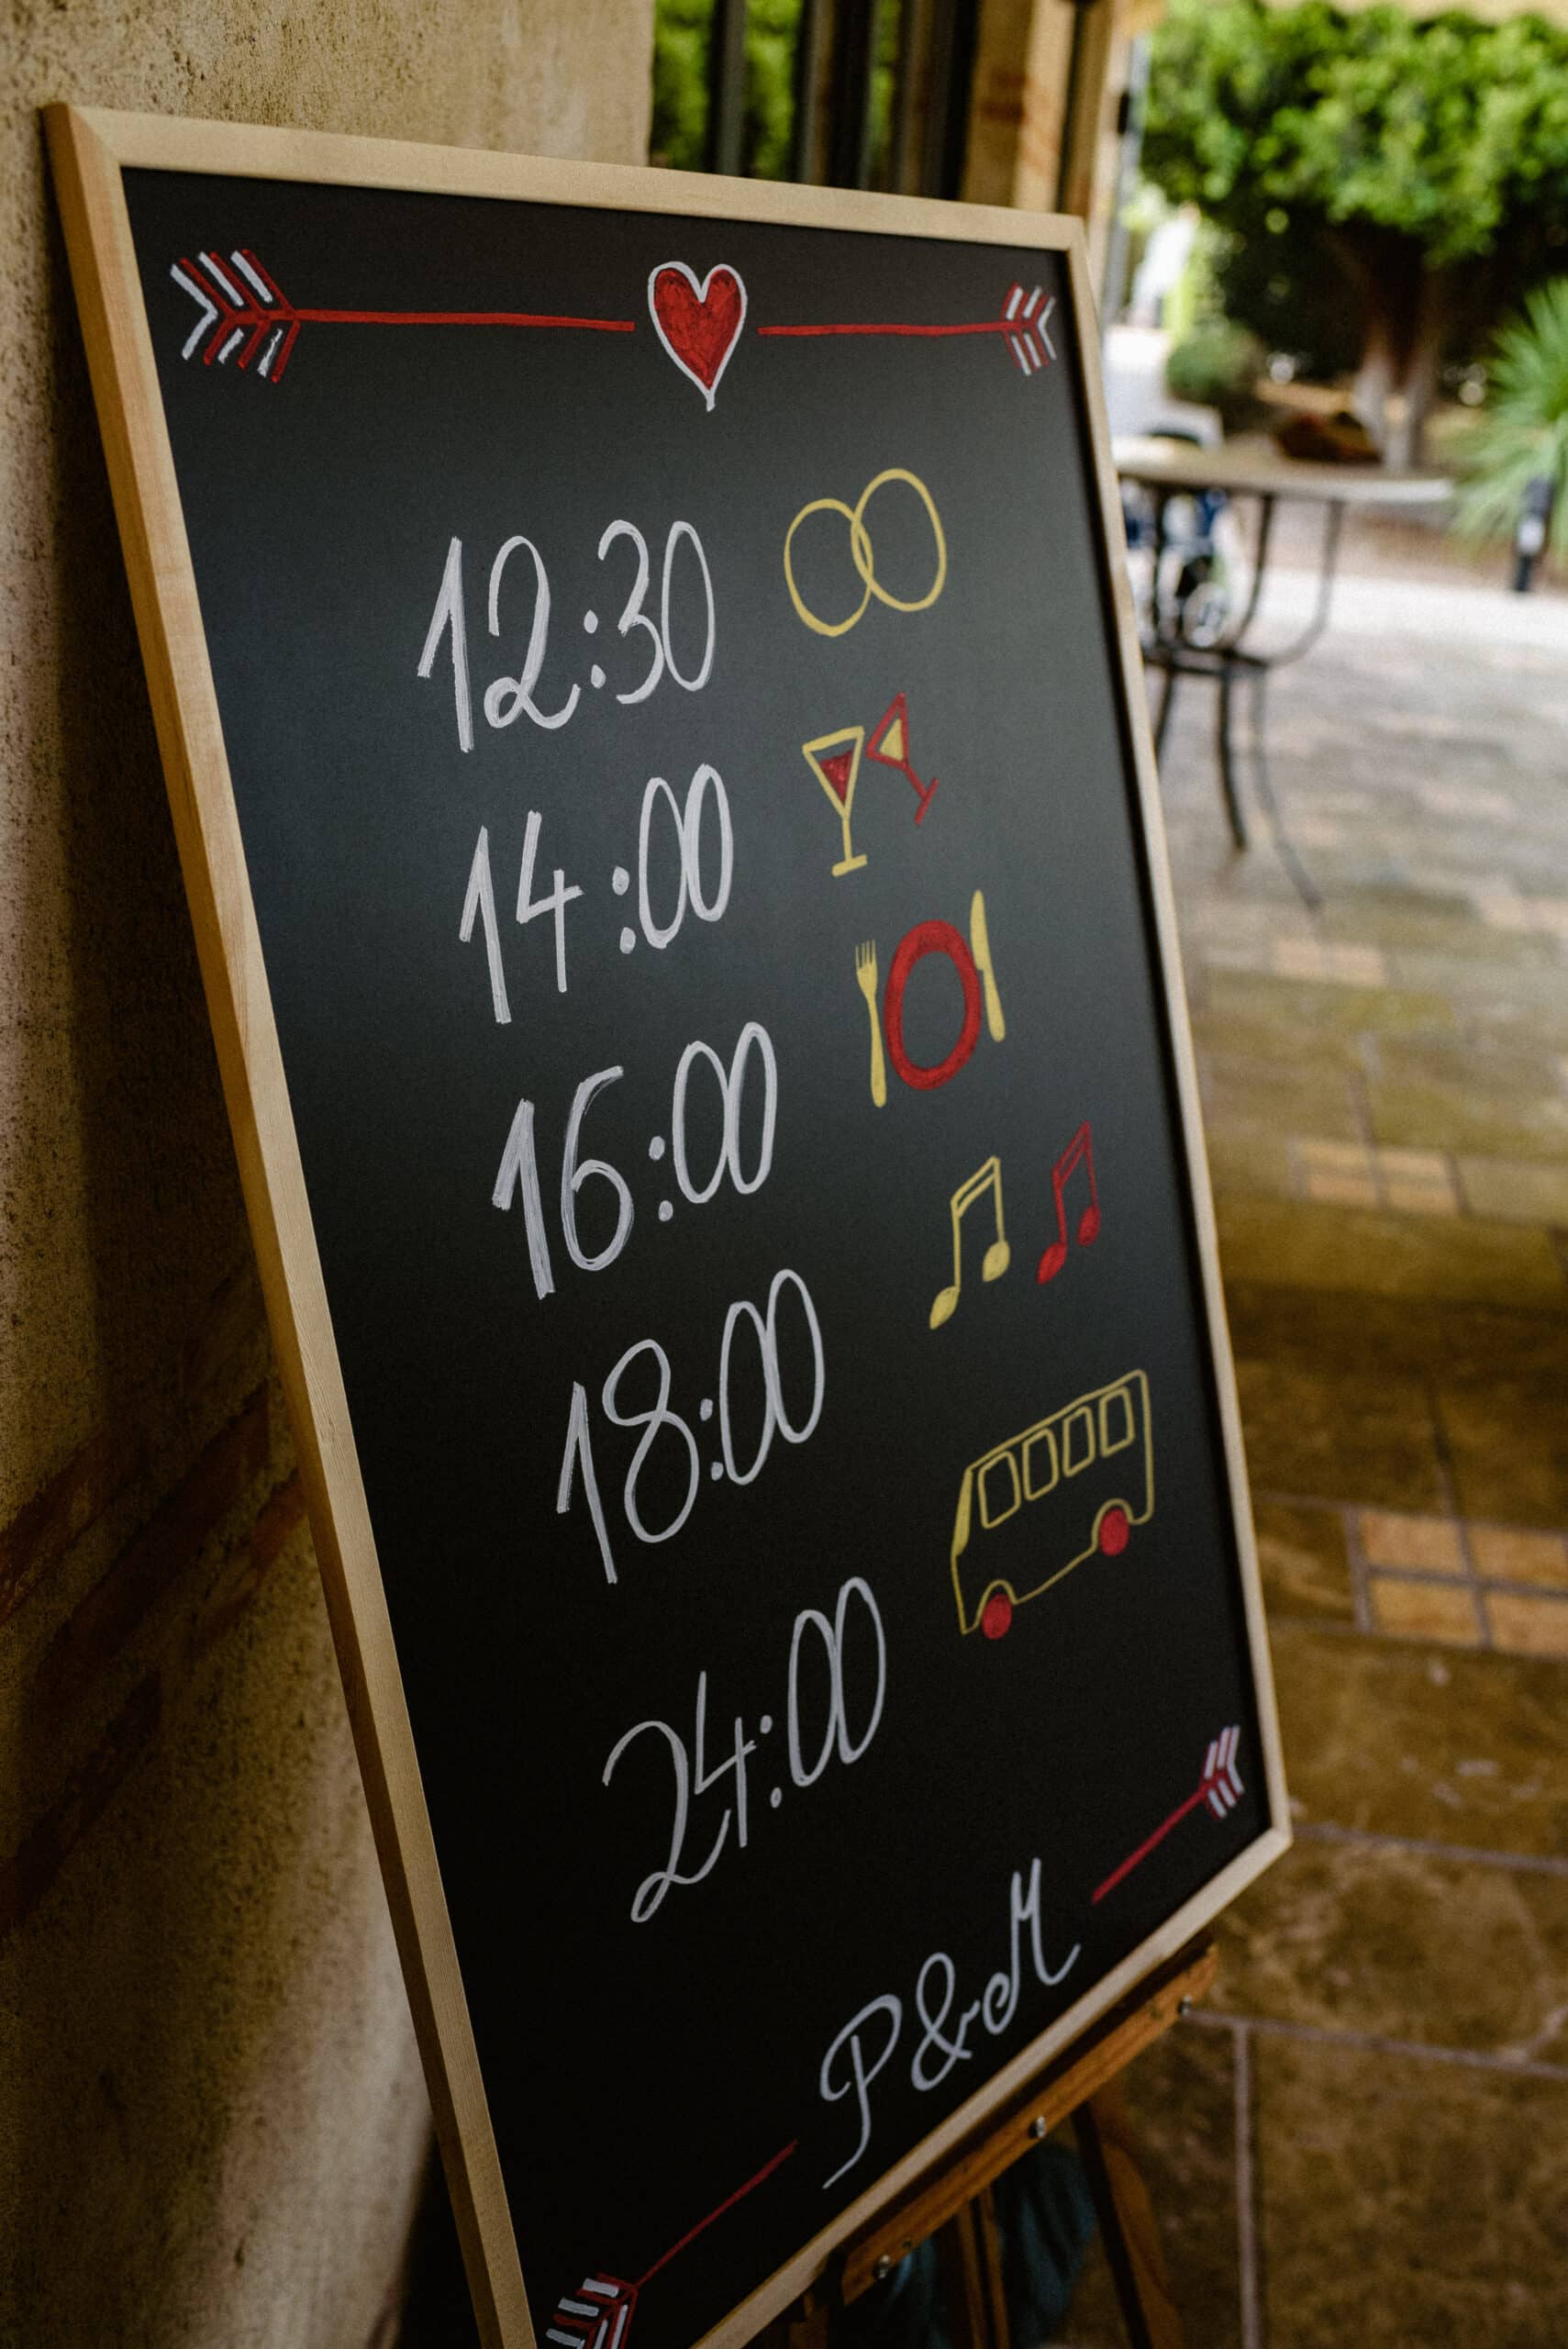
x=682, y=32
x=1413, y=171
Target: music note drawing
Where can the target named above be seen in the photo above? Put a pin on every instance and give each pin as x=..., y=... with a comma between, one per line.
x=1079, y=1151
x=997, y=1257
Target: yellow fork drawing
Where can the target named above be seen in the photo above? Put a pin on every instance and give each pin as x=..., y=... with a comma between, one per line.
x=865, y=975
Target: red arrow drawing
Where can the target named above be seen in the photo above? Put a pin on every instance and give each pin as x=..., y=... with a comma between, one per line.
x=1021, y=318
x=243, y=310
x=598, y=2313
x=1221, y=1786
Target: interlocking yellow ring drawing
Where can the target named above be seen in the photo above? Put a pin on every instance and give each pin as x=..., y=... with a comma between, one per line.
x=862, y=554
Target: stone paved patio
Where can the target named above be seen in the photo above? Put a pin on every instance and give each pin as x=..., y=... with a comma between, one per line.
x=1364, y=2138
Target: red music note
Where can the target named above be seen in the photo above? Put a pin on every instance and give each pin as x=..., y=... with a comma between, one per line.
x=1055, y=1257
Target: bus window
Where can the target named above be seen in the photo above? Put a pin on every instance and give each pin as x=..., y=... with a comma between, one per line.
x=1077, y=1440
x=998, y=1490
x=1117, y=1427
x=1040, y=1464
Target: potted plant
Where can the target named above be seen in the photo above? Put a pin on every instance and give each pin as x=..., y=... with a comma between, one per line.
x=1520, y=441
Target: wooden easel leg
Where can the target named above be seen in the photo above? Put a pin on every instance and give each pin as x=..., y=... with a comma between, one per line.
x=991, y=2268
x=970, y=2249
x=805, y=2326
x=961, y=2250
x=1104, y=2131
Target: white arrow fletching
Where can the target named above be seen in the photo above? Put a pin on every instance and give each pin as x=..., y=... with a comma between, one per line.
x=207, y=307
x=1221, y=1780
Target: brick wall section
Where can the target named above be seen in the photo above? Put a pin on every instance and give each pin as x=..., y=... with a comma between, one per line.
x=211, y=2118
x=71, y=1501
x=97, y=1632
x=29, y=1871
x=90, y=1638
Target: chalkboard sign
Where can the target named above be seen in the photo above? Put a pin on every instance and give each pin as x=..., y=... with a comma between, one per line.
x=648, y=696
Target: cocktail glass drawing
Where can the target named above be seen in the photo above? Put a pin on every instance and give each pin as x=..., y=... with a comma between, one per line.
x=890, y=747
x=835, y=760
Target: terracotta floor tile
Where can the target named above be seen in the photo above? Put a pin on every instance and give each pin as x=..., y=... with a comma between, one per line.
x=1230, y=955
x=1352, y=1936
x=1413, y=937
x=1321, y=832
x=1312, y=1007
x=1334, y=1157
x=1361, y=967
x=1445, y=1611
x=1506, y=1553
x=1324, y=1056
x=1477, y=1346
x=1339, y=1190
x=1297, y=958
x=1420, y=1167
x=1516, y=1190
x=1528, y=1626
x=1385, y=1736
x=1524, y=999
x=1407, y=2204
x=1467, y=800
x=1508, y=1446
x=1501, y=909
x=1341, y=1437
x=1524, y=1011
x=1407, y=1360
x=1429, y=1543
x=1420, y=1198
x=1534, y=1127
x=1308, y=1246
x=1446, y=1094
x=1301, y=1557
x=1240, y=919
x=1256, y=1091
x=1337, y=1331
x=1248, y=1161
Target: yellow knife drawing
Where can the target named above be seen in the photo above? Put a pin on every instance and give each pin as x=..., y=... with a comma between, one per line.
x=980, y=945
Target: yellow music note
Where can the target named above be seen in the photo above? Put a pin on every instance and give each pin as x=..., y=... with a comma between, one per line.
x=997, y=1256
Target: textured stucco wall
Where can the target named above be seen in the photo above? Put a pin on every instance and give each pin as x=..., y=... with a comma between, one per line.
x=210, y=2110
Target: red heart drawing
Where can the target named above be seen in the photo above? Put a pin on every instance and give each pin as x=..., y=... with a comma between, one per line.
x=699, y=325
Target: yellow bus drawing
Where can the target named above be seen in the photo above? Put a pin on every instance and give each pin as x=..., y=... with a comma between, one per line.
x=1033, y=1508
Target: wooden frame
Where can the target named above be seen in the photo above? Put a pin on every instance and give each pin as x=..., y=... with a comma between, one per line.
x=90, y=150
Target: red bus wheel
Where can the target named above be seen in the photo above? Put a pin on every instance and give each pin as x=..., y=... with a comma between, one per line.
x=996, y=1614
x=1114, y=1531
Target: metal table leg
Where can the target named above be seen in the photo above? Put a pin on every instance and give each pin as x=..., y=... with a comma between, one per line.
x=1230, y=664
x=1227, y=750
x=1163, y=716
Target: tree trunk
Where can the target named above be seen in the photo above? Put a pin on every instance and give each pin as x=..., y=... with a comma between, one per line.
x=1376, y=379
x=1403, y=447
x=1404, y=312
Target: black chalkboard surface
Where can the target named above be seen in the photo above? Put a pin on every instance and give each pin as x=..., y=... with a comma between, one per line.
x=673, y=771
